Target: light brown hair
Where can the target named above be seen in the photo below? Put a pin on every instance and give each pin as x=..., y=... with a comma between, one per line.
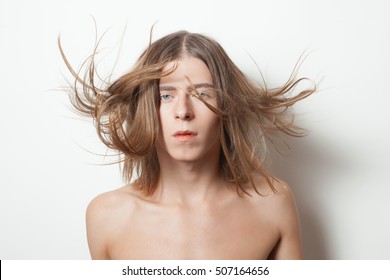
x=125, y=112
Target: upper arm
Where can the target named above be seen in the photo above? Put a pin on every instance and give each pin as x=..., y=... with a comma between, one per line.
x=96, y=222
x=286, y=214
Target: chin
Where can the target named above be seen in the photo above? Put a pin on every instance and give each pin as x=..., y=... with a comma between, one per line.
x=186, y=159
x=192, y=156
x=188, y=155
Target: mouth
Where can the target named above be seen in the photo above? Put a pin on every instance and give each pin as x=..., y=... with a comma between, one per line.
x=184, y=136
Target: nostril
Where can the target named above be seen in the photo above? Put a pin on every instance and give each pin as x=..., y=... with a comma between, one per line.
x=184, y=116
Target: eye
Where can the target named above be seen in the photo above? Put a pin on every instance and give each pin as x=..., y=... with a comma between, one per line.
x=165, y=97
x=203, y=94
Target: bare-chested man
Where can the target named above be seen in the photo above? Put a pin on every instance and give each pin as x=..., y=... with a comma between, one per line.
x=193, y=128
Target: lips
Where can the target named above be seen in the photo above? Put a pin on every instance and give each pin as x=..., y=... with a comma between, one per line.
x=184, y=135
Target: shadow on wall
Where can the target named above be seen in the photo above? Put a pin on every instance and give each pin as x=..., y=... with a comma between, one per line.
x=306, y=167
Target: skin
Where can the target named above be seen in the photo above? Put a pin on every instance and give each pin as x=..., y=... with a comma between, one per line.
x=193, y=213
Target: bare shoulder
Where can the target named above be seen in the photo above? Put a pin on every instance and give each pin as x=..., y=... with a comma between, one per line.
x=279, y=207
x=110, y=202
x=114, y=206
x=279, y=197
x=278, y=203
x=106, y=212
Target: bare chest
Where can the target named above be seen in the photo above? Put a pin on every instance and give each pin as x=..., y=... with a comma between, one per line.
x=194, y=235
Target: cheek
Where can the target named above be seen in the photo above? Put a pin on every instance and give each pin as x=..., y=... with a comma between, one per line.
x=166, y=125
x=162, y=119
x=211, y=124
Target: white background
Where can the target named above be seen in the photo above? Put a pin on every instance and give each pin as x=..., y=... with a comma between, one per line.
x=340, y=173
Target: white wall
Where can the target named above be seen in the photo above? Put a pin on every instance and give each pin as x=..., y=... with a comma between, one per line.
x=340, y=172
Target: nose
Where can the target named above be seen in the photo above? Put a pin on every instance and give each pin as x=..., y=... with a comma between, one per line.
x=184, y=109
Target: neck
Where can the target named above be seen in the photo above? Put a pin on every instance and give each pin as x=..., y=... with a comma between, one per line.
x=189, y=183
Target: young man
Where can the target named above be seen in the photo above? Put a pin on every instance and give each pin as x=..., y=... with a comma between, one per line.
x=193, y=128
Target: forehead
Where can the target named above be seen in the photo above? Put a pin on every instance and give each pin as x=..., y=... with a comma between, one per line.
x=187, y=69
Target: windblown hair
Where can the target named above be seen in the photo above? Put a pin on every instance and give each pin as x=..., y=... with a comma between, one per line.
x=125, y=112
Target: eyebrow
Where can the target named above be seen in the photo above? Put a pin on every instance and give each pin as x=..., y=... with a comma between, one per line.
x=196, y=86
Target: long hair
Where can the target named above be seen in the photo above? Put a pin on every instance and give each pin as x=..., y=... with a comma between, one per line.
x=125, y=112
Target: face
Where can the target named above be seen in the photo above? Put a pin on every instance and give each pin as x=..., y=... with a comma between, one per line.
x=189, y=129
